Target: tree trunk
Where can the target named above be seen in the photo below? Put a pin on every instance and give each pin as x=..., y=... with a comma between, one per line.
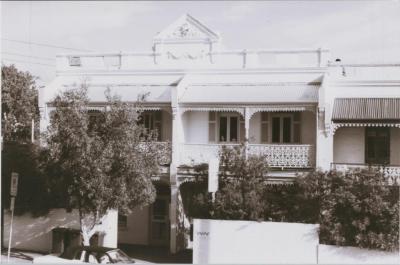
x=85, y=238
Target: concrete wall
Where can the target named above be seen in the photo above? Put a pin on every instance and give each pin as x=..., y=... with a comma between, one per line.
x=349, y=145
x=395, y=146
x=249, y=242
x=137, y=230
x=35, y=234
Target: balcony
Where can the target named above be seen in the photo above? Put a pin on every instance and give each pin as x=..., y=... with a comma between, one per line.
x=277, y=155
x=286, y=156
x=391, y=172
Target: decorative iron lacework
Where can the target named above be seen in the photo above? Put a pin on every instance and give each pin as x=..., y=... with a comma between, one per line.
x=252, y=110
x=291, y=156
x=240, y=110
x=335, y=126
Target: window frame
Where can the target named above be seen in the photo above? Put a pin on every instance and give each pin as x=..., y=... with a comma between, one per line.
x=369, y=160
x=228, y=115
x=281, y=117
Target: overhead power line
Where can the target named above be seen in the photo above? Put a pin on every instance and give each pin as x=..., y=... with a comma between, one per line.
x=21, y=61
x=45, y=45
x=25, y=55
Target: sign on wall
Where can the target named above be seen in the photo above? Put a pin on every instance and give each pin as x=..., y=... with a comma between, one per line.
x=244, y=242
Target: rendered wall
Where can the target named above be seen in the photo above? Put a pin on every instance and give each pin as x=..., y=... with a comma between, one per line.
x=137, y=230
x=255, y=128
x=349, y=145
x=248, y=242
x=195, y=126
x=35, y=234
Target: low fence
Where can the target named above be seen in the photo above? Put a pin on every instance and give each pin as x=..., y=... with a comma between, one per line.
x=35, y=233
x=244, y=242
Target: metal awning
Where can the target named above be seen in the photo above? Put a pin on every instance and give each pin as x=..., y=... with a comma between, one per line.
x=366, y=110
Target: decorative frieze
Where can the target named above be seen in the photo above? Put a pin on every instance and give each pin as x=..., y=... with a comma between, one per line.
x=335, y=126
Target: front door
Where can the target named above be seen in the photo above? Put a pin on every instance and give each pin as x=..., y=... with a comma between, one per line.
x=377, y=145
x=159, y=217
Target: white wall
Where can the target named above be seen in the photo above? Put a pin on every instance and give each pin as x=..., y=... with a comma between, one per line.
x=35, y=234
x=137, y=230
x=349, y=145
x=255, y=128
x=195, y=126
x=249, y=242
x=395, y=146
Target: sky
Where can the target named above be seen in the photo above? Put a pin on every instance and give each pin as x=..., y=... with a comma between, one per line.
x=355, y=31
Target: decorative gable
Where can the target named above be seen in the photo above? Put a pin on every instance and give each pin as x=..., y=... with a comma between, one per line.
x=186, y=28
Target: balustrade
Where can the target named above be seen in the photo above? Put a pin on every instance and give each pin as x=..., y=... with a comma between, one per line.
x=392, y=173
x=288, y=156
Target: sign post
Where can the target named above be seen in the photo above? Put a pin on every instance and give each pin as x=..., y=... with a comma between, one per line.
x=13, y=194
x=213, y=170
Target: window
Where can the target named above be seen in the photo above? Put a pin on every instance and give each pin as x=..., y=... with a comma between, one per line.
x=228, y=128
x=225, y=127
x=74, y=61
x=285, y=128
x=377, y=145
x=122, y=221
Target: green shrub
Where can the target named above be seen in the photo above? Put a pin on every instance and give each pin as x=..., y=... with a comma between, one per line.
x=355, y=208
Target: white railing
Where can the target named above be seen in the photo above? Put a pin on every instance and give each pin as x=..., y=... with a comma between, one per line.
x=391, y=172
x=287, y=156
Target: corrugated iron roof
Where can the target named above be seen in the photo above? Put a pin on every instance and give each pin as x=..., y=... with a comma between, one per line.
x=366, y=109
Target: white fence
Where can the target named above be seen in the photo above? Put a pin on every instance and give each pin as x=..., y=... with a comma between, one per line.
x=35, y=233
x=247, y=242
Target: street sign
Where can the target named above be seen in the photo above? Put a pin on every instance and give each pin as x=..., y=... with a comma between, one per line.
x=12, y=203
x=14, y=184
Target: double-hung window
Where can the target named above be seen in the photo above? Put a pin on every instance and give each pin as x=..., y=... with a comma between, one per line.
x=284, y=128
x=225, y=127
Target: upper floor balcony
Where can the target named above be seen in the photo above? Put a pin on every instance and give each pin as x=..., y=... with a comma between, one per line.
x=286, y=139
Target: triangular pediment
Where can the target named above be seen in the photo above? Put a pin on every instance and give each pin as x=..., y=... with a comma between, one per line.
x=187, y=28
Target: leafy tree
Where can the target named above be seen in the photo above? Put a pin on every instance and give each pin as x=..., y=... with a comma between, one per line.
x=241, y=185
x=19, y=104
x=98, y=166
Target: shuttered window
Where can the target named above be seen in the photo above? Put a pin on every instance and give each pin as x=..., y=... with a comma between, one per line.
x=212, y=126
x=296, y=127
